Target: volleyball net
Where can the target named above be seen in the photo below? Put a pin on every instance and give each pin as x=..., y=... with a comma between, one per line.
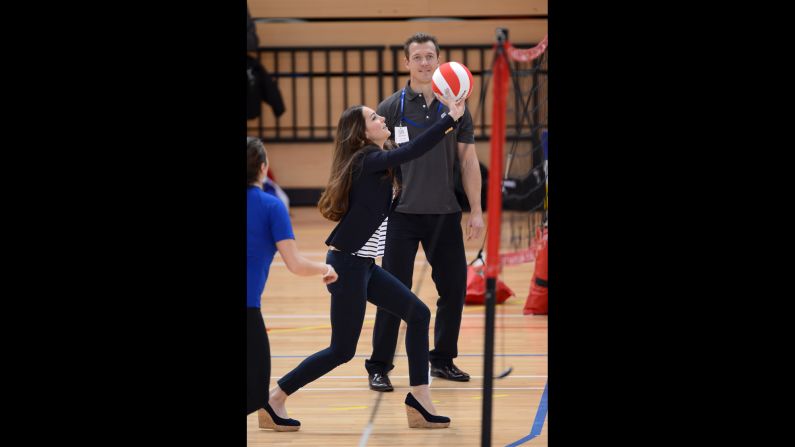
x=516, y=200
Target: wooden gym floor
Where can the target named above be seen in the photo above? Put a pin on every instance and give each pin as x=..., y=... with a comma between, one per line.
x=335, y=410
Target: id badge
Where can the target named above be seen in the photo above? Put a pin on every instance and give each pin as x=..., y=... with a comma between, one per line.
x=401, y=135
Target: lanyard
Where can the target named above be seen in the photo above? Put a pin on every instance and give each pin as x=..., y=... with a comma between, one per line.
x=403, y=116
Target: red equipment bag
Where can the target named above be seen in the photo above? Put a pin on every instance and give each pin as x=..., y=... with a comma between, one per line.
x=476, y=287
x=538, y=299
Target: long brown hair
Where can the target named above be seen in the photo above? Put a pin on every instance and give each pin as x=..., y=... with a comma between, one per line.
x=348, y=143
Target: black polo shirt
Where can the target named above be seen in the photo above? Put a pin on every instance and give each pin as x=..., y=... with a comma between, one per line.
x=427, y=182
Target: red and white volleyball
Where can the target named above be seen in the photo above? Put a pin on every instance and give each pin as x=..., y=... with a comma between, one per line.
x=453, y=76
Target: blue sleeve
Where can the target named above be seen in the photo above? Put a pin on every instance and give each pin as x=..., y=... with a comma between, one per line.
x=382, y=160
x=281, y=228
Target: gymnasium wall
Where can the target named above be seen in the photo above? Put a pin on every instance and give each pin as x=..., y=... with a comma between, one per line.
x=303, y=166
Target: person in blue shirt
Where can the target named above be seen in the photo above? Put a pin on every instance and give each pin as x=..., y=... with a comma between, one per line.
x=268, y=230
x=362, y=191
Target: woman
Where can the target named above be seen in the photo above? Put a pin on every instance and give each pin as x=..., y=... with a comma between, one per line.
x=268, y=230
x=360, y=194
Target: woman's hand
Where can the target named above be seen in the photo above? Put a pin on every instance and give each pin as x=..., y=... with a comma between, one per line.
x=456, y=107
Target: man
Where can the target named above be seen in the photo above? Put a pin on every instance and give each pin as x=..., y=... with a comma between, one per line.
x=428, y=213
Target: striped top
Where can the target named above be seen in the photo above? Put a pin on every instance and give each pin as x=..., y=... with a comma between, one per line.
x=374, y=247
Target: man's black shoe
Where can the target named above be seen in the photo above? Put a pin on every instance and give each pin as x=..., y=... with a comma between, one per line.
x=380, y=382
x=450, y=372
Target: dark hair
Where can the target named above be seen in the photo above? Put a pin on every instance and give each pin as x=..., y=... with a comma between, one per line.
x=351, y=137
x=255, y=156
x=420, y=38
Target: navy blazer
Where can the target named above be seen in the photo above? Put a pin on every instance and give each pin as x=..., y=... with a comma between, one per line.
x=370, y=198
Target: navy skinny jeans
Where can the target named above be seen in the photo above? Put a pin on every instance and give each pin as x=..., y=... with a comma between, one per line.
x=361, y=280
